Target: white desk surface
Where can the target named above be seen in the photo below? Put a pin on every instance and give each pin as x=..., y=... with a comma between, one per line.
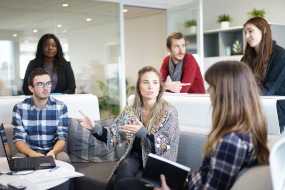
x=5, y=179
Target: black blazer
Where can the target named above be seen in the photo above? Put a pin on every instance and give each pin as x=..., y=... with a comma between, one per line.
x=65, y=81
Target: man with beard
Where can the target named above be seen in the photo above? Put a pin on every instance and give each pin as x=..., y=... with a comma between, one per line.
x=40, y=122
x=182, y=67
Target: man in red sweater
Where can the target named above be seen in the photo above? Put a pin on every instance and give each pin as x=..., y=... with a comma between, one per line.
x=181, y=66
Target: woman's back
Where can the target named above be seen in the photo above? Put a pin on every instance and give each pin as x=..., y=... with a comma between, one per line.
x=233, y=152
x=239, y=130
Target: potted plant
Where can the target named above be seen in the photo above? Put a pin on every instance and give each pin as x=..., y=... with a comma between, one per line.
x=256, y=13
x=224, y=20
x=109, y=103
x=192, y=25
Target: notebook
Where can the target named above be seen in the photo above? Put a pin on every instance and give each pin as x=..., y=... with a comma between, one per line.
x=174, y=173
x=29, y=163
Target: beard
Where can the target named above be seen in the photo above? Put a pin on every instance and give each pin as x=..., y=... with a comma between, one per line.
x=178, y=58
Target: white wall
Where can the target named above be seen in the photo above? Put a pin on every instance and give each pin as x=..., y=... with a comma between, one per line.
x=89, y=52
x=238, y=10
x=145, y=42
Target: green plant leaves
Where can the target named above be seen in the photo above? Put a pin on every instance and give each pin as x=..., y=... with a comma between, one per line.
x=189, y=23
x=224, y=17
x=110, y=100
x=256, y=13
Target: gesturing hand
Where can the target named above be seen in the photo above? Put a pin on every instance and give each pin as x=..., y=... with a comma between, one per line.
x=164, y=186
x=175, y=86
x=86, y=121
x=133, y=129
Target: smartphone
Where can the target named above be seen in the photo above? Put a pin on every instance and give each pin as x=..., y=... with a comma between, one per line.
x=16, y=185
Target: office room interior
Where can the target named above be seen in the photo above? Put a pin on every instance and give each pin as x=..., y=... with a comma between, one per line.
x=108, y=41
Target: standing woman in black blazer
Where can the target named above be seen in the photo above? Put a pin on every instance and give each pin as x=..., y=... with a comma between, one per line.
x=49, y=56
x=267, y=62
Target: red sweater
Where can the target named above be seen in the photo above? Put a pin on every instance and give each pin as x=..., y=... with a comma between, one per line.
x=190, y=74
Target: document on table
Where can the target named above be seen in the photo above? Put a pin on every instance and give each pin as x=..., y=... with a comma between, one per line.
x=44, y=175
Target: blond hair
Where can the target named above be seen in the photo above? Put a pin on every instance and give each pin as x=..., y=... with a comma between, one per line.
x=138, y=101
x=236, y=106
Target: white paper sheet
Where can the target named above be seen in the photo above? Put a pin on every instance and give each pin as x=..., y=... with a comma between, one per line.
x=44, y=175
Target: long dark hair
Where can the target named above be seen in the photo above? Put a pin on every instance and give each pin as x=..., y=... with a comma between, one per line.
x=259, y=62
x=236, y=107
x=59, y=62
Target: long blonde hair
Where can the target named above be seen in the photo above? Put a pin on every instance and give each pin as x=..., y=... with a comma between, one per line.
x=138, y=101
x=236, y=106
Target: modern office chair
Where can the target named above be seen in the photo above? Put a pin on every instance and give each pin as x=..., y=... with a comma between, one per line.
x=277, y=164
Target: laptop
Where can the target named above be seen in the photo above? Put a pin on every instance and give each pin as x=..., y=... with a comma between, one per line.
x=29, y=163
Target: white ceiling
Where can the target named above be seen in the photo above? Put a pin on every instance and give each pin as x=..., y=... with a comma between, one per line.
x=21, y=17
x=163, y=4
x=136, y=12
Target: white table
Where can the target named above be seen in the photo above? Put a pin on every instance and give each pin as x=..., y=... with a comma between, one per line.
x=5, y=179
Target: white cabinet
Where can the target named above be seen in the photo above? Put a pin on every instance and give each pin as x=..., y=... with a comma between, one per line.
x=216, y=41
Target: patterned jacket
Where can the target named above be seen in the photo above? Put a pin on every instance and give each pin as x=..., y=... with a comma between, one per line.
x=165, y=131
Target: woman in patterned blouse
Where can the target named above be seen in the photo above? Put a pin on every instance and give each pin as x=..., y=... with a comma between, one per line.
x=149, y=125
x=239, y=131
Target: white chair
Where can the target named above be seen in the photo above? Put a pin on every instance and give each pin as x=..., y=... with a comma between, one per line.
x=277, y=164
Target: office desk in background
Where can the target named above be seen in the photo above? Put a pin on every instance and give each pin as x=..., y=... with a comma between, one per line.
x=5, y=179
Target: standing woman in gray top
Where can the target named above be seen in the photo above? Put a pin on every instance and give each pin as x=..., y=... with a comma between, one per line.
x=149, y=125
x=49, y=56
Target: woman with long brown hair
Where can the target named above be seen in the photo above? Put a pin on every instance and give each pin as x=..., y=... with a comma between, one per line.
x=239, y=131
x=149, y=125
x=266, y=60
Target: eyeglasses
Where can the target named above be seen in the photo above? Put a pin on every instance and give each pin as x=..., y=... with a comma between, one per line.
x=42, y=85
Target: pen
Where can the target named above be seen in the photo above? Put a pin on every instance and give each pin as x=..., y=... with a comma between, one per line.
x=148, y=185
x=54, y=169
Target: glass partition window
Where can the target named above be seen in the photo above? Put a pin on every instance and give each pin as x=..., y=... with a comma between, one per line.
x=185, y=21
x=89, y=35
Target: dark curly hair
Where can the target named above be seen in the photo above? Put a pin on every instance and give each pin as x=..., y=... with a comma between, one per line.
x=59, y=62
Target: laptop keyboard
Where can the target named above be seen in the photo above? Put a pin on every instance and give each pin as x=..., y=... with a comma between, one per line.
x=29, y=162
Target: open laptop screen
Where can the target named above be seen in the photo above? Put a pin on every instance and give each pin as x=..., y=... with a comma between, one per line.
x=5, y=144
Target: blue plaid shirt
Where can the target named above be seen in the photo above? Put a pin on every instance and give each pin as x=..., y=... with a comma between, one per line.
x=40, y=130
x=233, y=152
